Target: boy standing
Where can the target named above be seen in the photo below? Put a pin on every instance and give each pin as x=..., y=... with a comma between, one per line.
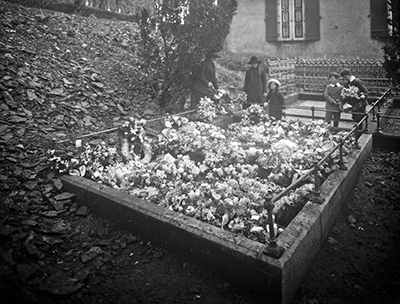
x=332, y=97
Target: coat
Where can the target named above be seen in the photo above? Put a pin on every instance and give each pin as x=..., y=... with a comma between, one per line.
x=255, y=84
x=359, y=105
x=332, y=95
x=205, y=74
x=276, y=103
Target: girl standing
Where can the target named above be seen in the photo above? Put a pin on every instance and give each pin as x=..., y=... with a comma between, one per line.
x=275, y=99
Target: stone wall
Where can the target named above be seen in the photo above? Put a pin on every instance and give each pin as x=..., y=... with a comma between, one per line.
x=345, y=32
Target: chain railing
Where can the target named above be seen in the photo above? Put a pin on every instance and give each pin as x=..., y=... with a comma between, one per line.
x=272, y=249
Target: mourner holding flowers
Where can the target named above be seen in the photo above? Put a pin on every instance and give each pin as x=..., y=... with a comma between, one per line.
x=332, y=96
x=355, y=94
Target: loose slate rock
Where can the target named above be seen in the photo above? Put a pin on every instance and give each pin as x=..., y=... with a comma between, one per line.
x=61, y=284
x=25, y=271
x=91, y=254
x=82, y=211
x=64, y=196
x=58, y=184
x=49, y=214
x=60, y=227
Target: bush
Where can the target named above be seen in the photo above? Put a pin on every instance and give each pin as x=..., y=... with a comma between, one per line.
x=175, y=38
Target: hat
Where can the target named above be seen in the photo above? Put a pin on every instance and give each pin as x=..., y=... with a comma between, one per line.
x=254, y=59
x=345, y=72
x=274, y=81
x=213, y=54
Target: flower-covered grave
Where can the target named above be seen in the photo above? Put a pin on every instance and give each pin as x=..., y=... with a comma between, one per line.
x=219, y=176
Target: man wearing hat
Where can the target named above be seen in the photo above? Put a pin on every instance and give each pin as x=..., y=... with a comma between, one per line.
x=204, y=82
x=255, y=83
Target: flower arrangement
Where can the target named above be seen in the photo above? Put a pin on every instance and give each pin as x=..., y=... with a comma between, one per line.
x=254, y=114
x=206, y=110
x=352, y=98
x=351, y=92
x=215, y=175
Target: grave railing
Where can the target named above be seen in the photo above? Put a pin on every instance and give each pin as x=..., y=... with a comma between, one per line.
x=272, y=249
x=311, y=75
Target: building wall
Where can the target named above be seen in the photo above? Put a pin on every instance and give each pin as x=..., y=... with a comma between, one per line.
x=345, y=33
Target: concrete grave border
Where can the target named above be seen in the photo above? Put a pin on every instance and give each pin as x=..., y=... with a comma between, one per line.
x=237, y=259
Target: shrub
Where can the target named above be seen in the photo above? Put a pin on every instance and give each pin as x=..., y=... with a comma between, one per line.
x=175, y=38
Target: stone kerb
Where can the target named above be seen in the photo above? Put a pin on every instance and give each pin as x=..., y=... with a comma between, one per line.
x=305, y=235
x=234, y=257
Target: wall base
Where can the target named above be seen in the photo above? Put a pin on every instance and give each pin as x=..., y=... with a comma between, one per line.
x=276, y=279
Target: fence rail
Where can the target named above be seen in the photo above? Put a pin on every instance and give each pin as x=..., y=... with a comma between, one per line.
x=311, y=75
x=272, y=248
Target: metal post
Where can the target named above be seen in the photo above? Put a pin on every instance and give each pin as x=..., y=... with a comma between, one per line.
x=312, y=112
x=272, y=249
x=316, y=194
x=341, y=162
x=366, y=130
x=373, y=114
x=378, y=124
x=355, y=144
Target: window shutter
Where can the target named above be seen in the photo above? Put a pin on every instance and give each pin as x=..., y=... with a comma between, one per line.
x=379, y=19
x=271, y=20
x=312, y=17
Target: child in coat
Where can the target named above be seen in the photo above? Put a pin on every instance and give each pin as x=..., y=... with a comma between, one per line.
x=275, y=99
x=332, y=97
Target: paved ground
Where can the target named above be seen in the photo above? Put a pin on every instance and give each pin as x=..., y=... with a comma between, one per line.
x=305, y=113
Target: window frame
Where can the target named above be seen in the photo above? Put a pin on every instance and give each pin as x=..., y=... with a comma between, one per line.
x=292, y=21
x=311, y=22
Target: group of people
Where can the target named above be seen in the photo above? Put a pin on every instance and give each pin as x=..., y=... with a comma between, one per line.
x=265, y=92
x=334, y=100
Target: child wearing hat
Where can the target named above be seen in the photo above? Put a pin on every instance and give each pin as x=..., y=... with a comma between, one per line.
x=275, y=99
x=255, y=83
x=332, y=97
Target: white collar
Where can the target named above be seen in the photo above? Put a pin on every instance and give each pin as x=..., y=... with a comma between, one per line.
x=335, y=85
x=352, y=78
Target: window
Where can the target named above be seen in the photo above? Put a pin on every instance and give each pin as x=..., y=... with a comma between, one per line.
x=292, y=20
x=380, y=12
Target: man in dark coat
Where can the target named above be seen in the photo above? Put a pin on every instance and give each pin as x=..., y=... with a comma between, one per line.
x=358, y=105
x=255, y=83
x=204, y=82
